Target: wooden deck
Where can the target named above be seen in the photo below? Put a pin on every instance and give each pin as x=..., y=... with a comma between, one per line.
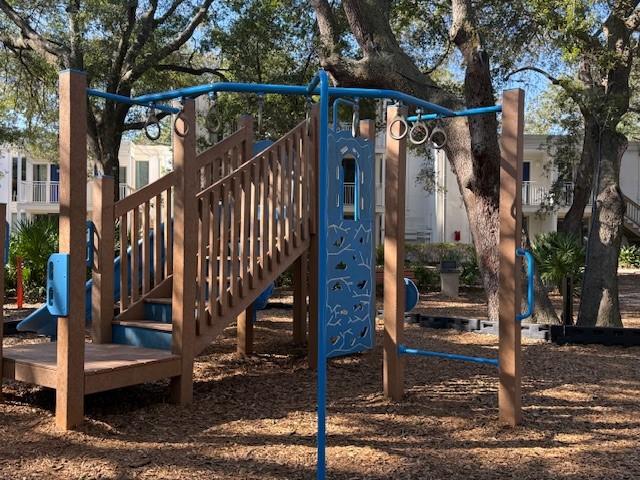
x=106, y=366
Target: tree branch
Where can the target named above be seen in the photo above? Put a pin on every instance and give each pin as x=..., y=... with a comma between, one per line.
x=326, y=22
x=125, y=40
x=177, y=42
x=170, y=67
x=53, y=51
x=633, y=21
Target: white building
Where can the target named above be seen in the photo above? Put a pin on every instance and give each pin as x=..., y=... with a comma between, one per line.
x=29, y=186
x=443, y=217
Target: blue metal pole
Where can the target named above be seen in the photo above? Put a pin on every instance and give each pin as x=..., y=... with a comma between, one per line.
x=531, y=268
x=336, y=104
x=323, y=227
x=461, y=113
x=130, y=101
x=313, y=83
x=404, y=350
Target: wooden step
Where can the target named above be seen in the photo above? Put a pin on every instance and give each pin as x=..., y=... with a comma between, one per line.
x=148, y=324
x=163, y=301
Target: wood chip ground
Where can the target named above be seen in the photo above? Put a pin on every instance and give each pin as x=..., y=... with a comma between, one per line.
x=254, y=418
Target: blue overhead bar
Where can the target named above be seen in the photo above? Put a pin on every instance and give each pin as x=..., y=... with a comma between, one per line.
x=470, y=112
x=266, y=88
x=131, y=101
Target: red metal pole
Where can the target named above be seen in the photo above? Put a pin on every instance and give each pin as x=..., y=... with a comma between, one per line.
x=19, y=286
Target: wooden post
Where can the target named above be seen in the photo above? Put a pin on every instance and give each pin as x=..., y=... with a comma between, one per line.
x=3, y=246
x=394, y=223
x=509, y=394
x=72, y=234
x=103, y=255
x=245, y=332
x=185, y=248
x=300, y=290
x=244, y=321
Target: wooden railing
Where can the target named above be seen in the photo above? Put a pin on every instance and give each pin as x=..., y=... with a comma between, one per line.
x=145, y=224
x=254, y=222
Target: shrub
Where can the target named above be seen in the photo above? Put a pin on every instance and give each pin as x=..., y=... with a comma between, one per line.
x=33, y=240
x=629, y=256
x=470, y=273
x=380, y=255
x=426, y=278
x=434, y=253
x=558, y=255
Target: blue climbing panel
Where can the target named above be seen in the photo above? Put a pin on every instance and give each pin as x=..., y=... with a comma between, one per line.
x=350, y=268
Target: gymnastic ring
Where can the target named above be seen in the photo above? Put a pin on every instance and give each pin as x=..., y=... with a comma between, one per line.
x=355, y=122
x=438, y=138
x=212, y=122
x=419, y=126
x=260, y=108
x=308, y=116
x=184, y=133
x=403, y=123
x=152, y=119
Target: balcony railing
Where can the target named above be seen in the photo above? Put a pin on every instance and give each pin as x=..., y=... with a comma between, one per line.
x=44, y=192
x=536, y=194
x=349, y=193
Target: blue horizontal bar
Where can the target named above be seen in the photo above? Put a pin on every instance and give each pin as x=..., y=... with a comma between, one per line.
x=460, y=113
x=130, y=101
x=266, y=88
x=404, y=350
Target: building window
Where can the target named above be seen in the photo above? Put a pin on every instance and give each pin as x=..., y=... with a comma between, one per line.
x=39, y=172
x=23, y=169
x=142, y=174
x=14, y=178
x=122, y=174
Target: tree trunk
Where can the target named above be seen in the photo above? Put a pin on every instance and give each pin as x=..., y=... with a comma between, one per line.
x=583, y=183
x=599, y=304
x=544, y=312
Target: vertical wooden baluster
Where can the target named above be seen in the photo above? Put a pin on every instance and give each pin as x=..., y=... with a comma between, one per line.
x=214, y=246
x=224, y=246
x=135, y=256
x=203, y=239
x=282, y=154
x=245, y=231
x=146, y=249
x=124, y=264
x=305, y=185
x=264, y=217
x=235, y=230
x=157, y=241
x=254, y=192
x=272, y=214
x=297, y=200
x=168, y=228
x=278, y=203
x=287, y=162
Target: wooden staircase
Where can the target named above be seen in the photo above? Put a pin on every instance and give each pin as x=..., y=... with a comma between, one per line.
x=253, y=222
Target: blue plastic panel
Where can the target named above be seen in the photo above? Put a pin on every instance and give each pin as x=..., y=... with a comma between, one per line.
x=58, y=284
x=350, y=244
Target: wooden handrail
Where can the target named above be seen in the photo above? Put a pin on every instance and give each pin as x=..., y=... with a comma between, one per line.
x=146, y=193
x=209, y=155
x=244, y=166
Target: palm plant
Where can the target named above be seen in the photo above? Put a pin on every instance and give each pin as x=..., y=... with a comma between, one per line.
x=557, y=256
x=34, y=241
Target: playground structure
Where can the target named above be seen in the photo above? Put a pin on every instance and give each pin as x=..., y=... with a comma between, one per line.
x=223, y=225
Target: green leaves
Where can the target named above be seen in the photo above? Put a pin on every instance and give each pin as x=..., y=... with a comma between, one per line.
x=558, y=255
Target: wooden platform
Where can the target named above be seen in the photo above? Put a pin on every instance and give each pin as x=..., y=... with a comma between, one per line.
x=106, y=367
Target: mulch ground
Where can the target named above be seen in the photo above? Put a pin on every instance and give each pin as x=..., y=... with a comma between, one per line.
x=254, y=417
